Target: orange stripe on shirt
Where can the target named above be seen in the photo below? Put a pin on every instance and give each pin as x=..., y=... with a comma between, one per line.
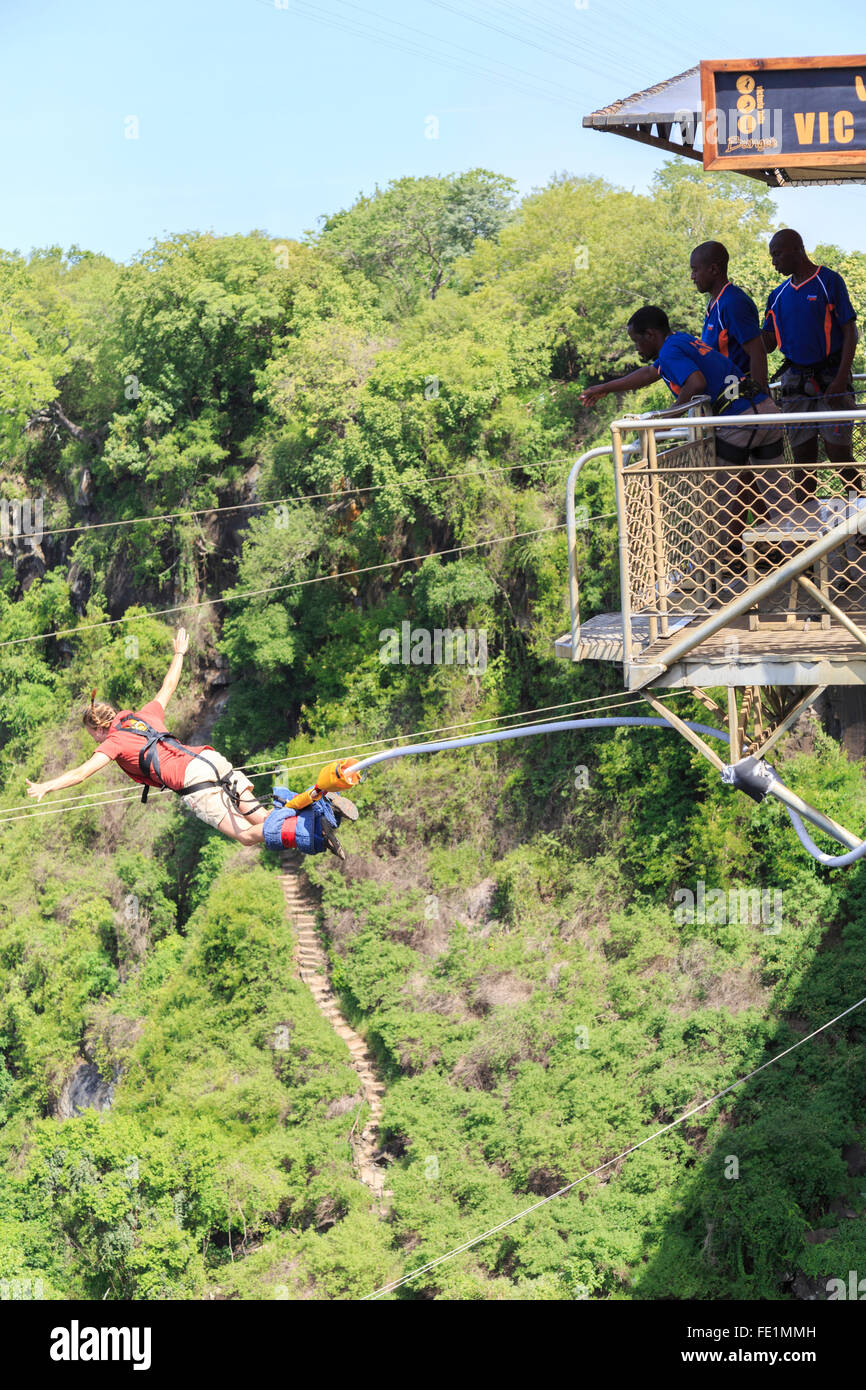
x=771, y=315
x=806, y=281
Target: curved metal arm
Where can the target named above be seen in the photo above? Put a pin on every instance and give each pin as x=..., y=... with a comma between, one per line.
x=555, y=726
x=792, y=803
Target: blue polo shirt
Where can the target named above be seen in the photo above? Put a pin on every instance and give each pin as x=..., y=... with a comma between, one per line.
x=681, y=354
x=732, y=320
x=808, y=319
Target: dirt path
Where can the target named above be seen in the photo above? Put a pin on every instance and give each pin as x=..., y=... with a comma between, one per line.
x=312, y=965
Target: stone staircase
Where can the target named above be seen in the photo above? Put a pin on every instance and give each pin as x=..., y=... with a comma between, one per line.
x=312, y=963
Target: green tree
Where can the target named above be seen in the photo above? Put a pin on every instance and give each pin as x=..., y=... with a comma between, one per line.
x=406, y=237
x=30, y=349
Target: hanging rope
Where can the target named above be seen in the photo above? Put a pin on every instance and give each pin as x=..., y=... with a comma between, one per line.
x=277, y=588
x=695, y=1110
x=312, y=761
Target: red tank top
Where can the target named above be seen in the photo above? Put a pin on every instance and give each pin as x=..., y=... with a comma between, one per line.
x=124, y=749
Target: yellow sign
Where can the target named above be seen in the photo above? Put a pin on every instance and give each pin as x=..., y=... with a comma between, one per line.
x=784, y=112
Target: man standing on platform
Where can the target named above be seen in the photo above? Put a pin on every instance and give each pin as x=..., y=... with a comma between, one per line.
x=733, y=328
x=691, y=368
x=731, y=323
x=810, y=319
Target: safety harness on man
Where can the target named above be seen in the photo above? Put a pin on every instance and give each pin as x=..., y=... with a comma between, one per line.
x=747, y=389
x=304, y=820
x=797, y=380
x=148, y=761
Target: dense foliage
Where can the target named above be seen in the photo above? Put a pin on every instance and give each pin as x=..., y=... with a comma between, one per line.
x=504, y=933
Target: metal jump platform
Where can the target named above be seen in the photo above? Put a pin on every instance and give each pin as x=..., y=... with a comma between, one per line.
x=741, y=578
x=749, y=579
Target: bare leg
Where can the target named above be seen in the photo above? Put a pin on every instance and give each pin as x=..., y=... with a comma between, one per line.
x=731, y=512
x=777, y=493
x=246, y=824
x=841, y=453
x=239, y=828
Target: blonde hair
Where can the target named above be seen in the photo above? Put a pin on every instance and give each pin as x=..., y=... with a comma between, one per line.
x=98, y=716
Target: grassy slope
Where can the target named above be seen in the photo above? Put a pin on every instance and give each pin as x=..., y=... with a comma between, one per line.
x=477, y=1005
x=536, y=1010
x=494, y=917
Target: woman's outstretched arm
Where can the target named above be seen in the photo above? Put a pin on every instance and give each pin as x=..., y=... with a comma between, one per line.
x=68, y=779
x=169, y=685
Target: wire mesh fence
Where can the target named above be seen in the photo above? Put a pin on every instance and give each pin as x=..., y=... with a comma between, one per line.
x=701, y=527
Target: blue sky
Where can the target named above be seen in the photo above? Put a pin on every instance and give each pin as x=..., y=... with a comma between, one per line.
x=269, y=113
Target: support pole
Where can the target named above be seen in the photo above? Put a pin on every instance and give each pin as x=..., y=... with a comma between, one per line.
x=758, y=717
x=832, y=609
x=745, y=712
x=761, y=749
x=830, y=827
x=688, y=734
x=733, y=724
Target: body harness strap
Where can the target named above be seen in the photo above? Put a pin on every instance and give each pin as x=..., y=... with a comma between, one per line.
x=810, y=380
x=148, y=762
x=747, y=390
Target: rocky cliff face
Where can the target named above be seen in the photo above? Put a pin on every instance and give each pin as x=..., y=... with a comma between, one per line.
x=82, y=1090
x=843, y=713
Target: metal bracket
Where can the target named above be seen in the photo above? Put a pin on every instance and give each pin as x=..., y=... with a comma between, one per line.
x=750, y=775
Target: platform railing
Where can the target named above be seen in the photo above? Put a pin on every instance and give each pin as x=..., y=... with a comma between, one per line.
x=696, y=531
x=668, y=434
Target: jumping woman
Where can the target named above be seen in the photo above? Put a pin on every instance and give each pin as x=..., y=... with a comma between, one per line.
x=214, y=791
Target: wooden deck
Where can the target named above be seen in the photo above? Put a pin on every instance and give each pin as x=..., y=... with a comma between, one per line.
x=789, y=640
x=777, y=653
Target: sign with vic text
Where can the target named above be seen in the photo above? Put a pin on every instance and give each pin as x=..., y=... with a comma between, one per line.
x=784, y=112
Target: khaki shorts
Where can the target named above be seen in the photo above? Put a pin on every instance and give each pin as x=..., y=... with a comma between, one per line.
x=837, y=432
x=212, y=804
x=747, y=435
